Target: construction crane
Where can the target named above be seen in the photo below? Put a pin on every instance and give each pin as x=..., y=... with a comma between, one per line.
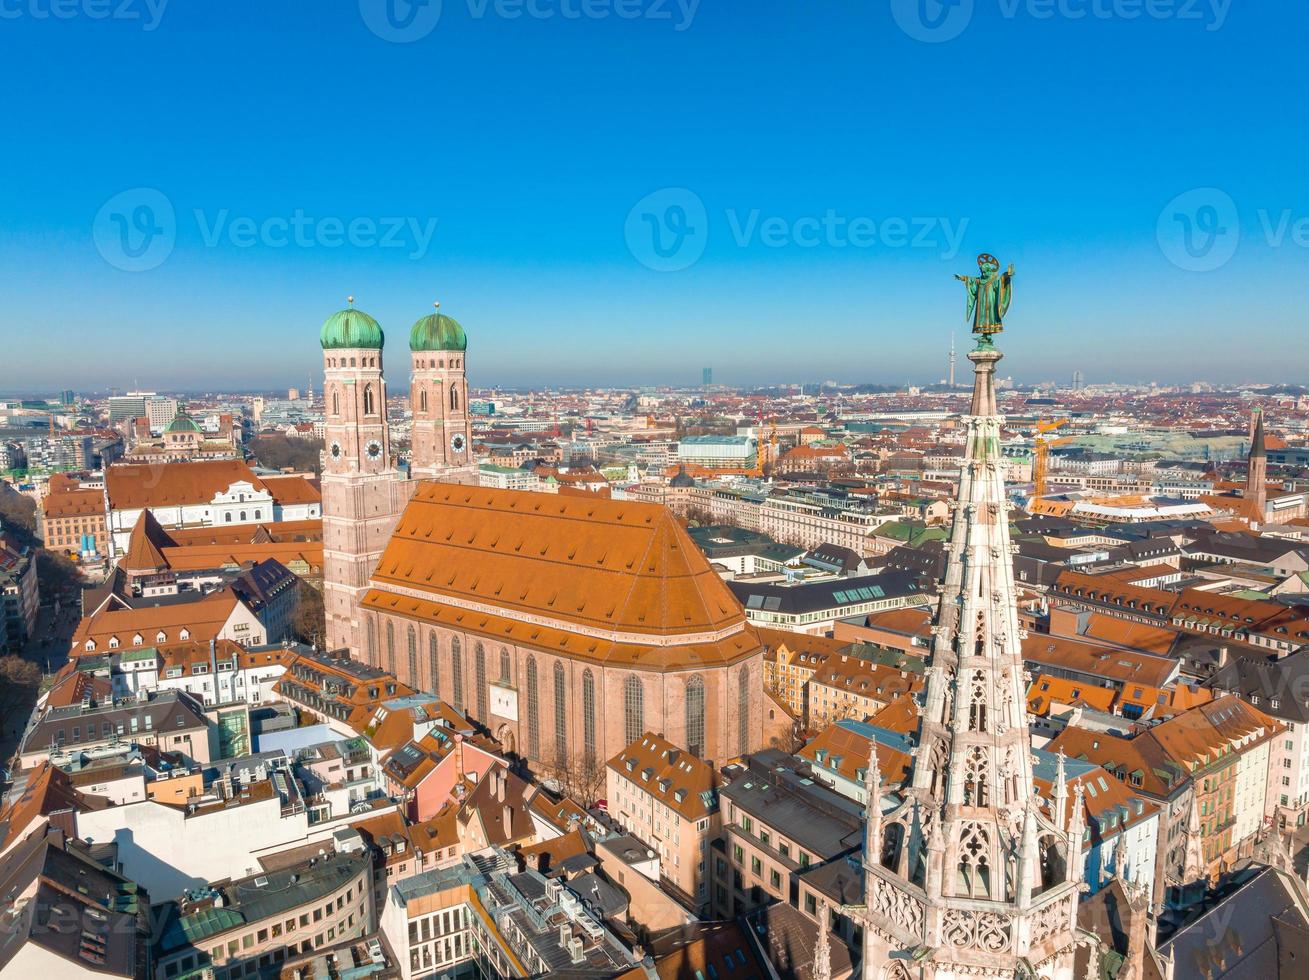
x=1041, y=450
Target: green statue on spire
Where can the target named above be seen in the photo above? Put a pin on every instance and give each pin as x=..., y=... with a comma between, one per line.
x=988, y=297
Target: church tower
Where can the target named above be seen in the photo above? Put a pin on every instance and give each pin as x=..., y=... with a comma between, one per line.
x=443, y=431
x=1256, y=474
x=362, y=490
x=968, y=876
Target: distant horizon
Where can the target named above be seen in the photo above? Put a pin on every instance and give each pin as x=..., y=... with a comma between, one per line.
x=397, y=392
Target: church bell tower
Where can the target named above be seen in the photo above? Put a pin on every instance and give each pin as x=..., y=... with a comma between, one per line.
x=442, y=430
x=360, y=482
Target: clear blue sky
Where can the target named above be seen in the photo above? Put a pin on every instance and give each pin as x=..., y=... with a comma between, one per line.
x=1055, y=142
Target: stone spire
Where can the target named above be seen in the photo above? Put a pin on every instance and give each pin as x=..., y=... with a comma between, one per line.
x=971, y=877
x=873, y=806
x=1256, y=477
x=1060, y=794
x=822, y=948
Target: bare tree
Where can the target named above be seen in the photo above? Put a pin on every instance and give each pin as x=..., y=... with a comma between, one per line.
x=309, y=618
x=19, y=680
x=582, y=778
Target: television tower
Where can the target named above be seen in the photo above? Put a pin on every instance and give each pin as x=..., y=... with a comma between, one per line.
x=951, y=360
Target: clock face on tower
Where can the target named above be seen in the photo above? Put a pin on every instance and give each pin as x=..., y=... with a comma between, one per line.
x=373, y=449
x=335, y=450
x=457, y=442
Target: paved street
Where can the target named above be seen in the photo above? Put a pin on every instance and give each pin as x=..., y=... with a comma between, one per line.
x=48, y=648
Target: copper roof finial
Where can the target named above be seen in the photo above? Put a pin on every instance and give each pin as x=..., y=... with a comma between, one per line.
x=350, y=300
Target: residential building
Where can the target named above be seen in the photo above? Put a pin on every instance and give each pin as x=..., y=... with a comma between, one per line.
x=814, y=606
x=69, y=916
x=483, y=917
x=220, y=615
x=776, y=825
x=667, y=797
x=73, y=522
x=20, y=595
x=250, y=925
x=170, y=721
x=206, y=493
x=717, y=452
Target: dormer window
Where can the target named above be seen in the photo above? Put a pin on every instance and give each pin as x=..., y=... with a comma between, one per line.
x=137, y=640
x=160, y=636
x=113, y=643
x=185, y=635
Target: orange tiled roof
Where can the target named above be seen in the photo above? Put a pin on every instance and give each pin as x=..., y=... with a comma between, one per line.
x=670, y=774
x=292, y=490
x=1120, y=666
x=850, y=751
x=1135, y=636
x=48, y=790
x=202, y=619
x=169, y=484
x=74, y=503
x=901, y=715
x=915, y=621
x=604, y=564
x=1047, y=691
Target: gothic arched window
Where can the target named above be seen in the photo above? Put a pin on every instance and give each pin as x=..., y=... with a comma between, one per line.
x=695, y=716
x=561, y=716
x=422, y=399
x=412, y=644
x=533, y=711
x=479, y=677
x=390, y=649
x=633, y=709
x=368, y=400
x=336, y=403
x=743, y=711
x=457, y=674
x=454, y=397
x=371, y=652
x=504, y=666
x=434, y=665
x=588, y=714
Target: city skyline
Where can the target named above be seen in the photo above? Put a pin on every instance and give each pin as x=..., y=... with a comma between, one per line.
x=527, y=198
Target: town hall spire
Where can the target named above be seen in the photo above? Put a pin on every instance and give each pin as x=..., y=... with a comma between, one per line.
x=970, y=876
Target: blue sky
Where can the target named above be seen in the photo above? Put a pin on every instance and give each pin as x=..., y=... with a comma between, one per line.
x=815, y=170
